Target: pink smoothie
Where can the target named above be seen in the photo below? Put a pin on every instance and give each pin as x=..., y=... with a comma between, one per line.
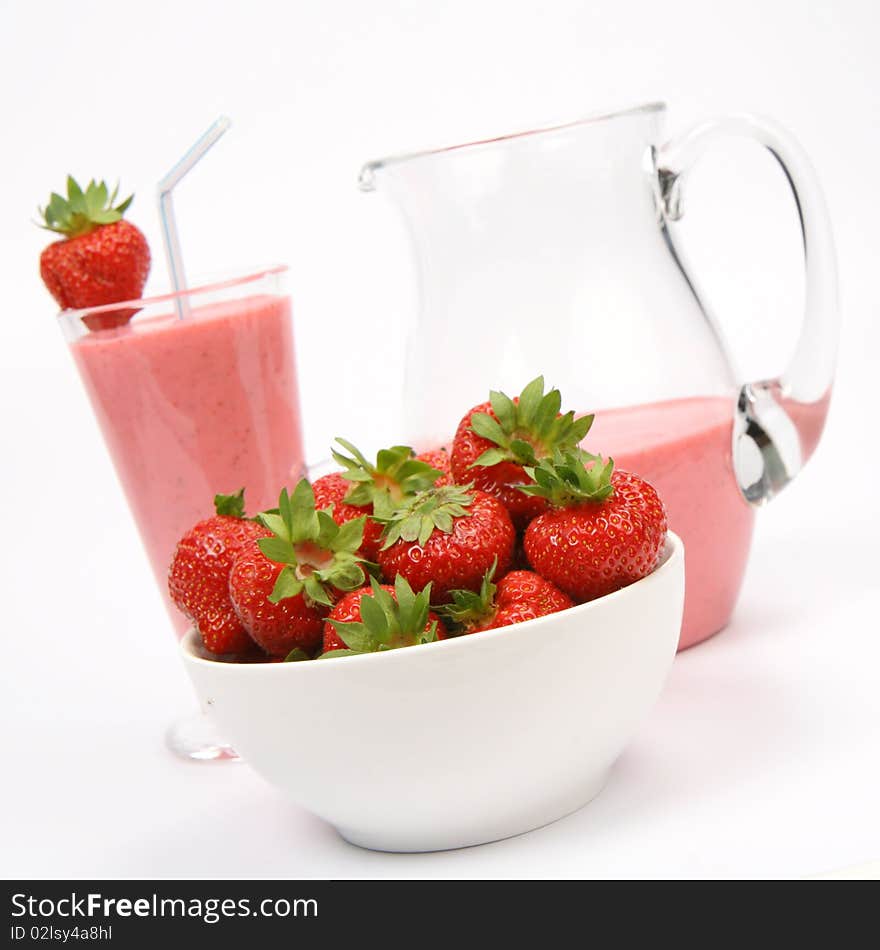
x=683, y=447
x=190, y=408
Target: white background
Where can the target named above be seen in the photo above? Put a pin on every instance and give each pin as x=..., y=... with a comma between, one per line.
x=761, y=758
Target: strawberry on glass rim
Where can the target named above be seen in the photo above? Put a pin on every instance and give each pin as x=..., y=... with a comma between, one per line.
x=605, y=528
x=496, y=440
x=101, y=258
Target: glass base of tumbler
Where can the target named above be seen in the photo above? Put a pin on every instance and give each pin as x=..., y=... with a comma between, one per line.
x=195, y=738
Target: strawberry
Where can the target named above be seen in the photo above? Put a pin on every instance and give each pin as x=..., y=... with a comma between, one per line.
x=362, y=487
x=447, y=536
x=102, y=259
x=284, y=585
x=280, y=627
x=381, y=617
x=495, y=441
x=518, y=596
x=606, y=528
x=198, y=579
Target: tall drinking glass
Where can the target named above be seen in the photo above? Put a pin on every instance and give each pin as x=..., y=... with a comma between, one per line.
x=195, y=395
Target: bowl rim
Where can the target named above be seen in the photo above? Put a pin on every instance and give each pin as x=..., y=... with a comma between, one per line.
x=672, y=556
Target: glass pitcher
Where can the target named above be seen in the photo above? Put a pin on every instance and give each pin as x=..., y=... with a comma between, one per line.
x=555, y=252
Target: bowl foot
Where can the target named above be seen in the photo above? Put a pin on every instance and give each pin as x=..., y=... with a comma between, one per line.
x=196, y=738
x=461, y=835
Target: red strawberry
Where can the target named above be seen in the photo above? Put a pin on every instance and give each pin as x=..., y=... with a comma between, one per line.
x=382, y=617
x=518, y=596
x=362, y=487
x=101, y=260
x=198, y=579
x=606, y=529
x=279, y=627
x=447, y=536
x=496, y=440
x=284, y=586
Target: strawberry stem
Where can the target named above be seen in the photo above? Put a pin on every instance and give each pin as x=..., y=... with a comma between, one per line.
x=570, y=477
x=387, y=622
x=526, y=429
x=417, y=517
x=82, y=211
x=469, y=607
x=318, y=555
x=396, y=475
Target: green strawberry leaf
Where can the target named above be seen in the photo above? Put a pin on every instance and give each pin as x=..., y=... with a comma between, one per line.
x=570, y=477
x=527, y=429
x=330, y=654
x=354, y=635
x=301, y=515
x=275, y=523
x=346, y=572
x=277, y=549
x=287, y=585
x=375, y=618
x=328, y=529
x=75, y=196
x=505, y=410
x=82, y=211
x=315, y=590
x=389, y=622
x=317, y=554
x=487, y=428
x=530, y=399
x=370, y=569
x=406, y=598
x=491, y=457
x=350, y=535
x=97, y=196
x=296, y=655
x=580, y=427
x=434, y=509
x=469, y=607
x=230, y=505
x=523, y=453
x=397, y=474
x=547, y=410
x=284, y=508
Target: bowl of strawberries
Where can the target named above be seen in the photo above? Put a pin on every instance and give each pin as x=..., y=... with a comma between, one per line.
x=539, y=586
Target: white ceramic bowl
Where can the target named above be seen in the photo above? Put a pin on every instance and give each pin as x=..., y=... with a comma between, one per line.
x=462, y=741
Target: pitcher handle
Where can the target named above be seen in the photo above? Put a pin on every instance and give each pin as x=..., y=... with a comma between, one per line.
x=778, y=422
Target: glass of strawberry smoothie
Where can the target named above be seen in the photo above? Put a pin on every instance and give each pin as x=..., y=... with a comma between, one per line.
x=195, y=395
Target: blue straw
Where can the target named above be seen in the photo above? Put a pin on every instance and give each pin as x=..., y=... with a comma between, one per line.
x=170, y=236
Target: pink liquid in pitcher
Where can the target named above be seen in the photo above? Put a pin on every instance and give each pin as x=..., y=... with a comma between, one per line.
x=193, y=407
x=683, y=447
